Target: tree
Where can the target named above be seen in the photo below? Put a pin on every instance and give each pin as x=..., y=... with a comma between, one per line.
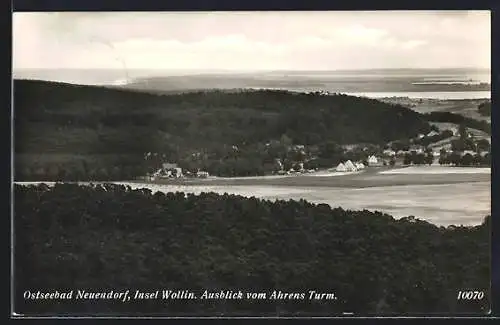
x=287, y=164
x=463, y=144
x=446, y=134
x=407, y=159
x=477, y=160
x=297, y=166
x=462, y=131
x=484, y=108
x=298, y=155
x=429, y=158
x=467, y=160
x=487, y=159
x=330, y=150
x=285, y=141
x=443, y=157
x=483, y=145
x=455, y=158
x=443, y=160
x=419, y=159
x=106, y=236
x=400, y=146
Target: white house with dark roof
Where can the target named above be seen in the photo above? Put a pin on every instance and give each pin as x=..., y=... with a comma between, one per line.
x=349, y=166
x=341, y=168
x=360, y=165
x=373, y=161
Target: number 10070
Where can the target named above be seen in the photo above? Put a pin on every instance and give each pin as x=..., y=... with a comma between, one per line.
x=470, y=295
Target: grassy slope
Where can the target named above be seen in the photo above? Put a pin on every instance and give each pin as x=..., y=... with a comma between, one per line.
x=465, y=107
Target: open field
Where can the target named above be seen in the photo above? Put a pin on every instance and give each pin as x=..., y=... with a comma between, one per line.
x=436, y=170
x=465, y=203
x=441, y=204
x=441, y=195
x=465, y=107
x=368, y=178
x=478, y=134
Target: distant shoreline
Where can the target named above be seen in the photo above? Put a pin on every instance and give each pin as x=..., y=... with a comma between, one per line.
x=371, y=81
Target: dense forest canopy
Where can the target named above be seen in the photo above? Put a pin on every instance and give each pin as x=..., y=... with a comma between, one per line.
x=485, y=108
x=112, y=237
x=108, y=128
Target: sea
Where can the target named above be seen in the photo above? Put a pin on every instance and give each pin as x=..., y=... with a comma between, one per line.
x=444, y=83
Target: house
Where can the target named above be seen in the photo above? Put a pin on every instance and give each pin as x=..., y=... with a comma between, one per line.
x=390, y=153
x=341, y=168
x=401, y=153
x=149, y=178
x=470, y=152
x=359, y=165
x=417, y=149
x=169, y=170
x=484, y=153
x=202, y=174
x=177, y=172
x=432, y=133
x=373, y=161
x=349, y=166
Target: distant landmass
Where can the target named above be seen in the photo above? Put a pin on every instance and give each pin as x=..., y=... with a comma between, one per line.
x=375, y=80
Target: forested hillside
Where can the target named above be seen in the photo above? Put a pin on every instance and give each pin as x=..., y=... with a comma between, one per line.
x=107, y=237
x=485, y=108
x=447, y=117
x=86, y=132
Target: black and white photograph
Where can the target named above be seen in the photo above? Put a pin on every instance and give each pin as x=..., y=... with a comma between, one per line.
x=251, y=163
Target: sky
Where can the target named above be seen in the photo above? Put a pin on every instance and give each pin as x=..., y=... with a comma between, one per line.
x=244, y=41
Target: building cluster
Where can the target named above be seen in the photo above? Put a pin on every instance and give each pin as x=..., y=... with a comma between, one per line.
x=297, y=169
x=349, y=166
x=171, y=170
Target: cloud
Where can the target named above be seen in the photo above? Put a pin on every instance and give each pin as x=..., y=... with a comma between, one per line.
x=412, y=44
x=360, y=34
x=251, y=40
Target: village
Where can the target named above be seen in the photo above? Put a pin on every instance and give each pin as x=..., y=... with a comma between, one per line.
x=453, y=146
